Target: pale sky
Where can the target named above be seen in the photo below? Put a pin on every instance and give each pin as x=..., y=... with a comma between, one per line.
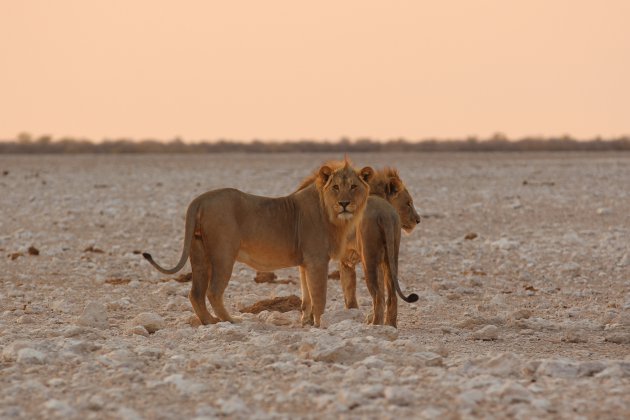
x=289, y=69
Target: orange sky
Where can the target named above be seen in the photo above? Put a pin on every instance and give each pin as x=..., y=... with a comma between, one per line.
x=296, y=69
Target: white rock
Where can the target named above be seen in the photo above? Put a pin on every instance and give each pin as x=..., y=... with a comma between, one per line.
x=61, y=408
x=429, y=358
x=336, y=316
x=558, y=368
x=470, y=398
x=94, y=315
x=138, y=330
x=512, y=393
x=373, y=391
x=151, y=321
x=30, y=356
x=185, y=386
x=503, y=365
x=372, y=362
x=603, y=211
x=126, y=413
x=505, y=244
x=10, y=352
x=61, y=306
x=570, y=268
x=349, y=398
x=487, y=333
x=232, y=406
x=398, y=395
x=280, y=319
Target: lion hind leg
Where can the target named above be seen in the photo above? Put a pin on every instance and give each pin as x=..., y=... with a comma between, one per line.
x=391, y=303
x=221, y=273
x=373, y=285
x=200, y=276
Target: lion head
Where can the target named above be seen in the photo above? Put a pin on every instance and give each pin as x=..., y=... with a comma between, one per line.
x=388, y=185
x=343, y=191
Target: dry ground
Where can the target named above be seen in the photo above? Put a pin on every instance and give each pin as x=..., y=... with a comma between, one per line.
x=531, y=318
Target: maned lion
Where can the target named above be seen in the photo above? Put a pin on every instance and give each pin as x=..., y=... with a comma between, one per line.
x=378, y=239
x=381, y=226
x=305, y=229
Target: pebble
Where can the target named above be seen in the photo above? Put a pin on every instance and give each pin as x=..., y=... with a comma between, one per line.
x=398, y=395
x=488, y=333
x=94, y=315
x=30, y=356
x=151, y=321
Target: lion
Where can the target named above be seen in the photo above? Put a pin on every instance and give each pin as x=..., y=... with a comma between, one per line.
x=378, y=240
x=380, y=229
x=306, y=229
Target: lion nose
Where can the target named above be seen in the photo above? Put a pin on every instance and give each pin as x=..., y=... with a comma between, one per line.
x=344, y=204
x=418, y=220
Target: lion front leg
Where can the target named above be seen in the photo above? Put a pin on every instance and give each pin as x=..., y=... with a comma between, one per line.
x=307, y=312
x=317, y=282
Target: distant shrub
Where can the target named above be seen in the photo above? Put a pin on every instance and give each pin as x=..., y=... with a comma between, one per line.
x=498, y=143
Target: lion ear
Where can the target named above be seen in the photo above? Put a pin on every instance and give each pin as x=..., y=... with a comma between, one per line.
x=394, y=186
x=324, y=173
x=366, y=173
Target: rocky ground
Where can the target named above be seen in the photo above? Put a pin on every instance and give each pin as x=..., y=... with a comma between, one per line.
x=522, y=264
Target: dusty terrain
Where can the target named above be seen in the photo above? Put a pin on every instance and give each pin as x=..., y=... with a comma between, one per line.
x=529, y=319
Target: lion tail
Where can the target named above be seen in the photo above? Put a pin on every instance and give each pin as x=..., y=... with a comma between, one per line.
x=391, y=244
x=191, y=215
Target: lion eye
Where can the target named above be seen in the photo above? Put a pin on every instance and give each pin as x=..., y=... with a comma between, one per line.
x=336, y=187
x=409, y=204
x=353, y=186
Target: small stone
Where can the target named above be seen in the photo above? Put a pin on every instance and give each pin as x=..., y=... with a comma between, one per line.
x=336, y=316
x=470, y=398
x=397, y=395
x=279, y=318
x=521, y=314
x=430, y=359
x=604, y=211
x=512, y=393
x=349, y=398
x=505, y=244
x=470, y=236
x=30, y=356
x=575, y=336
x=570, y=268
x=487, y=333
x=558, y=369
x=618, y=337
x=372, y=391
x=151, y=321
x=61, y=408
x=232, y=406
x=94, y=315
x=139, y=330
x=184, y=386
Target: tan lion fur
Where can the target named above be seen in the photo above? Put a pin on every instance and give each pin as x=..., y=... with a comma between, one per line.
x=305, y=229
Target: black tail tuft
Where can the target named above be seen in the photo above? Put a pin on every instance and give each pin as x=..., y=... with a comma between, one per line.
x=147, y=256
x=412, y=298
